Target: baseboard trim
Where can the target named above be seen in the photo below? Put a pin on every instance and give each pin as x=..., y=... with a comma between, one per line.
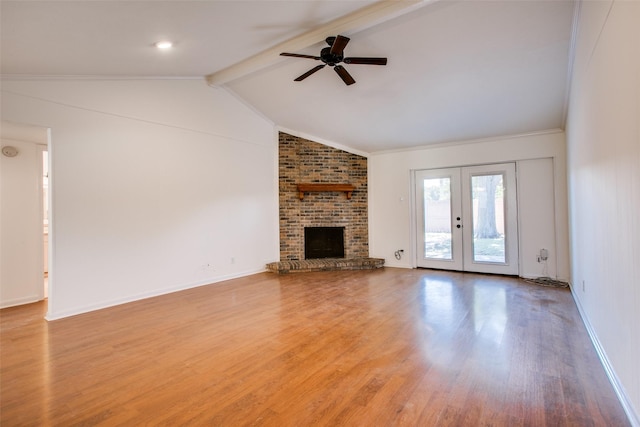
x=138, y=297
x=608, y=368
x=21, y=301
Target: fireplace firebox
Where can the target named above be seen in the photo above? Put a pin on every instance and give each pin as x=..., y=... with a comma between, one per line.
x=323, y=242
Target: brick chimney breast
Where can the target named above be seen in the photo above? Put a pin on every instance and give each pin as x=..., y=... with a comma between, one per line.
x=306, y=162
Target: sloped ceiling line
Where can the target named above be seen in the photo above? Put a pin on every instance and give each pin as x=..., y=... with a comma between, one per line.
x=359, y=20
x=572, y=56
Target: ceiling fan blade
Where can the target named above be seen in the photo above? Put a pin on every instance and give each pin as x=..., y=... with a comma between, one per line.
x=368, y=61
x=308, y=73
x=338, y=45
x=344, y=75
x=297, y=55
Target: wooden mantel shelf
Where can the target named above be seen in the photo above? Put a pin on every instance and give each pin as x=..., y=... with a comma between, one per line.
x=306, y=188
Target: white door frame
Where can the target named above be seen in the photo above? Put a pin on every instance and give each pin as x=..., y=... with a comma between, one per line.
x=42, y=149
x=511, y=264
x=466, y=263
x=455, y=262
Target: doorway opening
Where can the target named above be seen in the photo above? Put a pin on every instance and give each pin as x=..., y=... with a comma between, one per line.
x=45, y=218
x=23, y=212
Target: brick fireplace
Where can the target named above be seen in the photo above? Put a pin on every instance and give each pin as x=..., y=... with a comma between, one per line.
x=341, y=203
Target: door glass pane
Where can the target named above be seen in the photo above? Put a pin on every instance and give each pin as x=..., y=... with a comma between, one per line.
x=488, y=218
x=437, y=218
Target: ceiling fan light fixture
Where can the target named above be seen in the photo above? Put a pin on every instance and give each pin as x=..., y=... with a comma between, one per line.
x=164, y=44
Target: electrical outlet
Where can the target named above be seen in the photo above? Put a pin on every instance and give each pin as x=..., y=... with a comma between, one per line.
x=544, y=254
x=233, y=260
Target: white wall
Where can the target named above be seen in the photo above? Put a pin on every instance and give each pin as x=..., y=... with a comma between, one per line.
x=390, y=195
x=156, y=186
x=21, y=247
x=537, y=224
x=603, y=144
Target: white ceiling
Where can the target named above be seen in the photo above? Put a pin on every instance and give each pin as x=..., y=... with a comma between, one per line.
x=22, y=132
x=457, y=70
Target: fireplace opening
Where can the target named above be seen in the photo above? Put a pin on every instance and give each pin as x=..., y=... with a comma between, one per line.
x=323, y=242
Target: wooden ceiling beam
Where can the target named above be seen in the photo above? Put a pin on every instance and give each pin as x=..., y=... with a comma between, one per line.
x=359, y=20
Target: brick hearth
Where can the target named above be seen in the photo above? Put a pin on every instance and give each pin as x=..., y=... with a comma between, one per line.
x=325, y=264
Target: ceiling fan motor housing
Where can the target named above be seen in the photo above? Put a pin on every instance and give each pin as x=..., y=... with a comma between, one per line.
x=328, y=58
x=334, y=55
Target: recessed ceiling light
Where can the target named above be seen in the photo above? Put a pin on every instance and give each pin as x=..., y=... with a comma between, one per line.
x=164, y=45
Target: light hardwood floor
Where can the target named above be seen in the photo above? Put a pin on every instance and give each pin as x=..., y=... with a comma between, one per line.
x=389, y=347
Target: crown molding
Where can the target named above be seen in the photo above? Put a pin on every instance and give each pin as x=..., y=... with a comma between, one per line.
x=469, y=141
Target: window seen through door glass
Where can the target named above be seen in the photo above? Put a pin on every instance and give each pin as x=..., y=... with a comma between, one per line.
x=437, y=218
x=488, y=218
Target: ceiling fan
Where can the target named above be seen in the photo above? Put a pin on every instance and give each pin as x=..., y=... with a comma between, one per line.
x=334, y=55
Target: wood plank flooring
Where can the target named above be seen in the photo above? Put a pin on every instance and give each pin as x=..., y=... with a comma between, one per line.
x=387, y=347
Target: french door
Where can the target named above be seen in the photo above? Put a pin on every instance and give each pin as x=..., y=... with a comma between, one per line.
x=467, y=219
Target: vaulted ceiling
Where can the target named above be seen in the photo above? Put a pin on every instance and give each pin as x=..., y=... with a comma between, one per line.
x=457, y=70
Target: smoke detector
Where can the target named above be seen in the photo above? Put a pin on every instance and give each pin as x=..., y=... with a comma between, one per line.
x=10, y=151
